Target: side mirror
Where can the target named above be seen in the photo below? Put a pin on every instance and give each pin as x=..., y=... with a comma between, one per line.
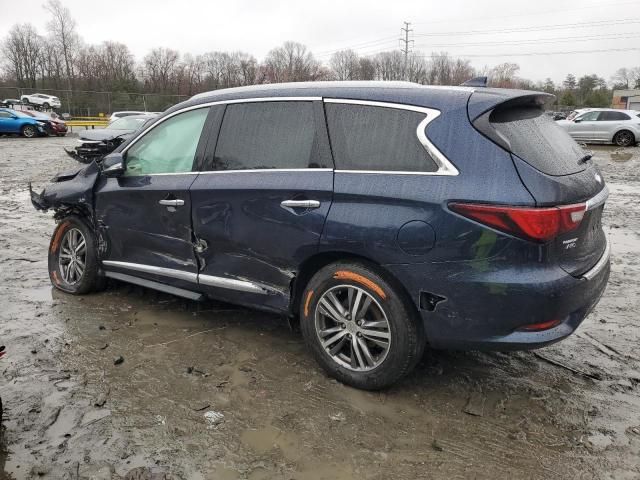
x=113, y=165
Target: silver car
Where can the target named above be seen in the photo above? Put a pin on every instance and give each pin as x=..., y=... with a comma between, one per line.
x=605, y=125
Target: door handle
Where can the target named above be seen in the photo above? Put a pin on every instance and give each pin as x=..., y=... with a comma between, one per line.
x=300, y=204
x=172, y=203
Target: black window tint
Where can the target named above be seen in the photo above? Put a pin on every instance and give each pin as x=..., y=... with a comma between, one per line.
x=377, y=138
x=614, y=116
x=267, y=135
x=538, y=140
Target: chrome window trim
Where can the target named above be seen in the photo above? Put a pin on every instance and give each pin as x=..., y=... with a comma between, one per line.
x=445, y=167
x=598, y=199
x=247, y=170
x=219, y=102
x=209, y=280
x=600, y=264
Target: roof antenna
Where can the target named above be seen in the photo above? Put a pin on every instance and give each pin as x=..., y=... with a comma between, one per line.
x=476, y=82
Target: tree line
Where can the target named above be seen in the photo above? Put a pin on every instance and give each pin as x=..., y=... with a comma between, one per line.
x=59, y=60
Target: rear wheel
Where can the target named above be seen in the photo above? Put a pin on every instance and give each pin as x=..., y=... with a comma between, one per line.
x=45, y=106
x=359, y=327
x=73, y=259
x=29, y=131
x=624, y=138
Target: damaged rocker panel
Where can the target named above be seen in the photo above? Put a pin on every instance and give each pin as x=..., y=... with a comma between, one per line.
x=208, y=280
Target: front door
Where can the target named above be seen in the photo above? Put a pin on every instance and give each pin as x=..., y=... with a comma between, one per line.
x=144, y=216
x=259, y=210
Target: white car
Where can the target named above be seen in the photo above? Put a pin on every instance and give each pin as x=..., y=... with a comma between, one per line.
x=117, y=115
x=41, y=100
x=604, y=125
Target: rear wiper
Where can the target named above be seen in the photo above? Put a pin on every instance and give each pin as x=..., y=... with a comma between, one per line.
x=586, y=158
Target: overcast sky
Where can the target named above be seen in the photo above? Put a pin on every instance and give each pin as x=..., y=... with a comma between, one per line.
x=515, y=28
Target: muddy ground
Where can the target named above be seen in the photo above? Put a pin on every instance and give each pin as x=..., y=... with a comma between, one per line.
x=212, y=391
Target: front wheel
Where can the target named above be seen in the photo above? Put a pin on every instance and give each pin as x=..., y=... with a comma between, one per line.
x=624, y=138
x=360, y=328
x=29, y=131
x=73, y=259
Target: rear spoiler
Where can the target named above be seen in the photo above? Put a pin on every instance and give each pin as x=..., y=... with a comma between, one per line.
x=486, y=99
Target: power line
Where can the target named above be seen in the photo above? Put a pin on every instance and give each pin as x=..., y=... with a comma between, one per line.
x=579, y=38
x=599, y=23
x=529, y=54
x=545, y=12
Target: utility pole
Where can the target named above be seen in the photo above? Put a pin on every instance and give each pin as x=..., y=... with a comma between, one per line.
x=407, y=48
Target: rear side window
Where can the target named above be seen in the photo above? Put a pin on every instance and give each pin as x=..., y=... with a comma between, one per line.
x=377, y=138
x=538, y=140
x=611, y=116
x=265, y=135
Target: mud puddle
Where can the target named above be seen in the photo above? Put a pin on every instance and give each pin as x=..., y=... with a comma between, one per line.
x=212, y=391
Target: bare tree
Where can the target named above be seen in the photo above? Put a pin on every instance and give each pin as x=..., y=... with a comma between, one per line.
x=504, y=75
x=292, y=62
x=62, y=29
x=390, y=65
x=160, y=67
x=23, y=49
x=345, y=65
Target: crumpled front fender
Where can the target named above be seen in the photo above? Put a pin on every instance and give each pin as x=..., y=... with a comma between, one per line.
x=71, y=189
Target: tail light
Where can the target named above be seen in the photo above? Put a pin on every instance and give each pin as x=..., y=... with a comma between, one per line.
x=537, y=224
x=539, y=327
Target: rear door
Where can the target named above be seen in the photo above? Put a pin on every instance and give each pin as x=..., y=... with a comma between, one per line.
x=8, y=124
x=612, y=122
x=260, y=205
x=145, y=215
x=554, y=169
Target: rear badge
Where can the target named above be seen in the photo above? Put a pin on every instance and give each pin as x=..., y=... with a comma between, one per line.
x=569, y=244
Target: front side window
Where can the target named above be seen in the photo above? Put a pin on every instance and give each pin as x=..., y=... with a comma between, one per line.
x=377, y=138
x=168, y=148
x=589, y=117
x=267, y=135
x=5, y=115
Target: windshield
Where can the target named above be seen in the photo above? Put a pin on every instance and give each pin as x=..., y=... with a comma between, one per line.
x=127, y=123
x=538, y=140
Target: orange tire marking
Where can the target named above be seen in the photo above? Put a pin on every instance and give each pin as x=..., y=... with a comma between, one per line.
x=307, y=302
x=54, y=274
x=56, y=240
x=346, y=275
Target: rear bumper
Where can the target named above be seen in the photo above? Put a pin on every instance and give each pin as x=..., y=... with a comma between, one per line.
x=485, y=305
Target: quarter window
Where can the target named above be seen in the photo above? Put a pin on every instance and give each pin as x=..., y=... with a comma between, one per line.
x=168, y=148
x=265, y=135
x=377, y=138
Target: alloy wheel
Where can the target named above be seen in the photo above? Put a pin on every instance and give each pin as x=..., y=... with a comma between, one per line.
x=352, y=328
x=73, y=256
x=624, y=139
x=29, y=131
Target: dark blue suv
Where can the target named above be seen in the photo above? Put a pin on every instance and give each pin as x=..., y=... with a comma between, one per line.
x=385, y=216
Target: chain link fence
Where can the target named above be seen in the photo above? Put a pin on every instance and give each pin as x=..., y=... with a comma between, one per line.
x=87, y=103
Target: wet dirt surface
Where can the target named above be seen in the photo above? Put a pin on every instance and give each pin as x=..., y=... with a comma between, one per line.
x=212, y=391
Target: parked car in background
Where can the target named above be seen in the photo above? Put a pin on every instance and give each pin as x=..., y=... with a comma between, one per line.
x=604, y=125
x=41, y=100
x=53, y=126
x=351, y=206
x=15, y=122
x=117, y=115
x=94, y=144
x=9, y=102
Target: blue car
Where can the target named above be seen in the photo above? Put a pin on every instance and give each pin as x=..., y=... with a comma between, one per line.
x=386, y=217
x=13, y=121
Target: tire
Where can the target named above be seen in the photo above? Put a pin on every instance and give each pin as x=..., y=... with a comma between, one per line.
x=386, y=317
x=624, y=138
x=71, y=280
x=29, y=131
x=45, y=106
